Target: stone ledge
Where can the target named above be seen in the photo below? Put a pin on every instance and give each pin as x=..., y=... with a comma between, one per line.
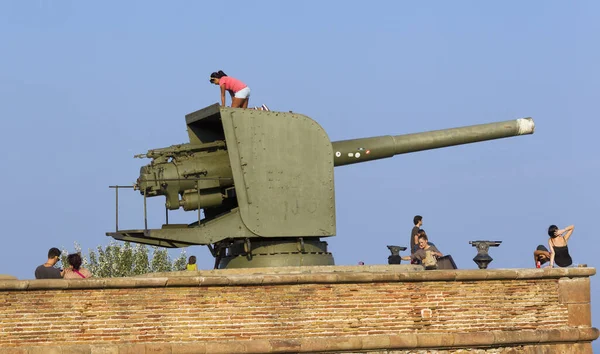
x=296, y=275
x=479, y=340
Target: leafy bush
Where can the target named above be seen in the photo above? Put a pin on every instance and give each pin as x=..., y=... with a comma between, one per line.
x=120, y=259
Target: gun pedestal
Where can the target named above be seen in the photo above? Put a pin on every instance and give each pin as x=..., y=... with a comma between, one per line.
x=482, y=259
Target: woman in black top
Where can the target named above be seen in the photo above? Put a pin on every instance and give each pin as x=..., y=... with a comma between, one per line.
x=559, y=251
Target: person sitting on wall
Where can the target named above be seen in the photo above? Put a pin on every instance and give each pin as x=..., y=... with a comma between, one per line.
x=541, y=255
x=559, y=251
x=427, y=254
x=420, y=233
x=47, y=270
x=74, y=271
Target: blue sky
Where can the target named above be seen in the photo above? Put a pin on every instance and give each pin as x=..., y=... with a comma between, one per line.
x=85, y=86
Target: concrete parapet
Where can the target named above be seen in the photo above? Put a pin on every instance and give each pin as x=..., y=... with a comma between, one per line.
x=319, y=275
x=414, y=341
x=384, y=309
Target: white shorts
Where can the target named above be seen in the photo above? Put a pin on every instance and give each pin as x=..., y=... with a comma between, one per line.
x=243, y=93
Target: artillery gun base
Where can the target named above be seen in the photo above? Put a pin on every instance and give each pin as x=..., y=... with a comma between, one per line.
x=265, y=183
x=284, y=252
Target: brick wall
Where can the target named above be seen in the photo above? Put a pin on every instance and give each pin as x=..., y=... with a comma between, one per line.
x=387, y=308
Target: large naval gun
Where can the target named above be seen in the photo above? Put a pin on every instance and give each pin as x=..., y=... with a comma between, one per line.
x=261, y=182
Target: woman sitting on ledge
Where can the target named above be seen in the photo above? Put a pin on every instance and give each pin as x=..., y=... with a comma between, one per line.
x=559, y=251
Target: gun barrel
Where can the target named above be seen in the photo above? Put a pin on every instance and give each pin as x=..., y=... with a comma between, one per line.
x=352, y=151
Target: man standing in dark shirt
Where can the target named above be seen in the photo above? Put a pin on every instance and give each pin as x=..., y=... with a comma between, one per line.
x=47, y=270
x=414, y=234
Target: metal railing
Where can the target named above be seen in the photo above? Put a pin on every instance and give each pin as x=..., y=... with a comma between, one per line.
x=197, y=180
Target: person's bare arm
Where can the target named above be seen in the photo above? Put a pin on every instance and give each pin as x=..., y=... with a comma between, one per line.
x=223, y=95
x=551, y=254
x=569, y=231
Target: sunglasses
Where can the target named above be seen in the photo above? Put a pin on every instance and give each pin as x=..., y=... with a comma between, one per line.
x=212, y=80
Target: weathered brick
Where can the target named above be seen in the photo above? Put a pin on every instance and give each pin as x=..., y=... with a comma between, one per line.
x=189, y=348
x=582, y=348
x=325, y=278
x=432, y=340
x=512, y=337
x=311, y=345
x=471, y=275
x=132, y=348
x=75, y=349
x=13, y=284
x=162, y=348
x=224, y=347
x=183, y=281
x=276, y=312
x=92, y=283
x=375, y=342
x=574, y=291
x=285, y=344
x=473, y=339
x=14, y=351
x=342, y=343
x=405, y=340
x=150, y=282
x=588, y=334
x=571, y=348
x=256, y=346
x=104, y=349
x=47, y=284
x=580, y=315
x=44, y=350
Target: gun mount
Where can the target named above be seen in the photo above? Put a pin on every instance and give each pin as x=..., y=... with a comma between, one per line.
x=264, y=181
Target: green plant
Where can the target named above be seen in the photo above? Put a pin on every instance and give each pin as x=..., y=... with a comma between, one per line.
x=121, y=259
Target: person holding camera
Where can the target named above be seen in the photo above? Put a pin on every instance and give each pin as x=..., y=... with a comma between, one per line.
x=427, y=253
